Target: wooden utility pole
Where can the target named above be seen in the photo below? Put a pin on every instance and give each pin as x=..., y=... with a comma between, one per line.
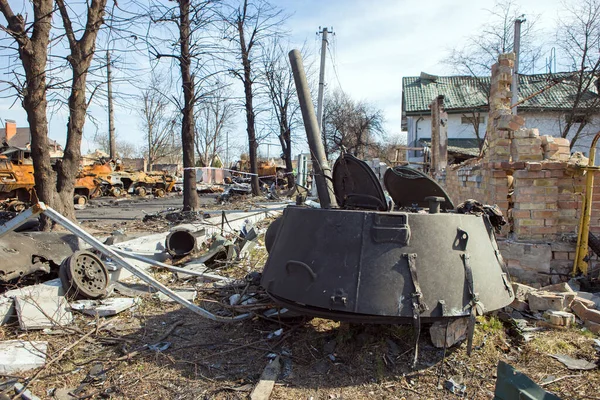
x=516, y=50
x=324, y=32
x=111, y=115
x=439, y=136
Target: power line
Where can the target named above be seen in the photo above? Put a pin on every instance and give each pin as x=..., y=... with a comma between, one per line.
x=333, y=62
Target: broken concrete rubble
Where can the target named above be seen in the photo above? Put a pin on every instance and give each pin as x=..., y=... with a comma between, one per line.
x=38, y=306
x=18, y=356
x=542, y=301
x=560, y=318
x=104, y=308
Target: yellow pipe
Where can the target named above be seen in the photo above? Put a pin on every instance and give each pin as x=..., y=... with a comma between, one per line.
x=580, y=263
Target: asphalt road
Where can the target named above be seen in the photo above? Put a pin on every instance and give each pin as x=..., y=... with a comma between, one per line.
x=133, y=208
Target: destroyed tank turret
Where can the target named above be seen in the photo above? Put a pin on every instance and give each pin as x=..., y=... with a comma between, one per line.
x=418, y=260
x=364, y=263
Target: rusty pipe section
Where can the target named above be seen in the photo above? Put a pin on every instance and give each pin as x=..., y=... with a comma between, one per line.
x=313, y=133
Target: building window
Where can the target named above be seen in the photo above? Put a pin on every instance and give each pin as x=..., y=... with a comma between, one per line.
x=577, y=119
x=470, y=120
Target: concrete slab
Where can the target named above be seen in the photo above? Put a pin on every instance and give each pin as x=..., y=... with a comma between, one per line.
x=104, y=308
x=20, y=355
x=40, y=312
x=560, y=318
x=542, y=301
x=7, y=309
x=590, y=296
x=40, y=306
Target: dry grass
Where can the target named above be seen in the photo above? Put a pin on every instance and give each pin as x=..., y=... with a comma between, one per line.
x=323, y=359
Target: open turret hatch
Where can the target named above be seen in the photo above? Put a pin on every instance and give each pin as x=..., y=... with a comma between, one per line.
x=409, y=187
x=356, y=186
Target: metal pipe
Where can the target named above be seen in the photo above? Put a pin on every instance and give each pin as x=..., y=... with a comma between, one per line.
x=581, y=252
x=313, y=133
x=150, y=261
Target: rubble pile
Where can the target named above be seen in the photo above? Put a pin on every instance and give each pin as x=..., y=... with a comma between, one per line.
x=561, y=305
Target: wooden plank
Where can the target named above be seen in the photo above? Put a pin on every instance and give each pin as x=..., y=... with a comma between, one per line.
x=264, y=387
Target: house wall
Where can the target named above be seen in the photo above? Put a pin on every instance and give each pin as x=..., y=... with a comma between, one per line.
x=548, y=123
x=552, y=123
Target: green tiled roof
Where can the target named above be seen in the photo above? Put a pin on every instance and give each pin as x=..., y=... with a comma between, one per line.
x=468, y=92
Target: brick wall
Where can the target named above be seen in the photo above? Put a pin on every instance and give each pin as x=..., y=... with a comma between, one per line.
x=547, y=186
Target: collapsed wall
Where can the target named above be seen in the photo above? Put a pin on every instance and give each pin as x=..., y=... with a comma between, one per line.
x=535, y=182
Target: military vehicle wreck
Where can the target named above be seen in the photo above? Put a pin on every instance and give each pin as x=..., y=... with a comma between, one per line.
x=420, y=260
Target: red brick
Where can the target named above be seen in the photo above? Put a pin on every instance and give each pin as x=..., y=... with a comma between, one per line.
x=521, y=214
x=568, y=204
x=560, y=255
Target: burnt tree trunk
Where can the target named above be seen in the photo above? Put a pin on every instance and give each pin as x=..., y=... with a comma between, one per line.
x=80, y=59
x=250, y=116
x=190, y=196
x=33, y=52
x=285, y=139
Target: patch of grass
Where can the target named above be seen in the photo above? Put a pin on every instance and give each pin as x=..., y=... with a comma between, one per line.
x=490, y=324
x=585, y=332
x=379, y=368
x=550, y=345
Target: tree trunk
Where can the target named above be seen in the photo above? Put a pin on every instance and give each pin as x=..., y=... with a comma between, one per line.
x=190, y=196
x=82, y=53
x=250, y=117
x=69, y=165
x=33, y=52
x=286, y=146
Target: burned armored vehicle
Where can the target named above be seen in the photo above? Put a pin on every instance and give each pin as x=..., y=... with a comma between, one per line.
x=359, y=258
x=362, y=262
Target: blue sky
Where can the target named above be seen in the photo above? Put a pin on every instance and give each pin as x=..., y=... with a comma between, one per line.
x=376, y=43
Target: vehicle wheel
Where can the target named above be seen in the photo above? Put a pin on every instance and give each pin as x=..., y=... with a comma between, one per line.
x=16, y=206
x=81, y=199
x=159, y=193
x=115, y=191
x=85, y=276
x=140, y=191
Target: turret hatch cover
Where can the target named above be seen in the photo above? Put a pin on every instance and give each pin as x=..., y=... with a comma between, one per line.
x=356, y=186
x=409, y=187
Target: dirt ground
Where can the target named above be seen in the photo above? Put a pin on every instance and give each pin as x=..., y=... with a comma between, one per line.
x=321, y=359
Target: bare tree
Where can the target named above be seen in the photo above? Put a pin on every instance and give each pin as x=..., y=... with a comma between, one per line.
x=282, y=93
x=195, y=47
x=476, y=55
x=32, y=41
x=248, y=26
x=56, y=189
x=215, y=114
x=82, y=51
x=578, y=36
x=350, y=126
x=157, y=121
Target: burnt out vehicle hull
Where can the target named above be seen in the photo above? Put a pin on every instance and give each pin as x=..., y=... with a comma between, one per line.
x=386, y=267
x=22, y=254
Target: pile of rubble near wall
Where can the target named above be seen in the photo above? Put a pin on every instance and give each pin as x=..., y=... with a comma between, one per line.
x=534, y=181
x=560, y=304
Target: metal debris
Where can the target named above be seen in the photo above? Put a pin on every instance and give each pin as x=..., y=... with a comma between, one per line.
x=455, y=388
x=512, y=384
x=575, y=364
